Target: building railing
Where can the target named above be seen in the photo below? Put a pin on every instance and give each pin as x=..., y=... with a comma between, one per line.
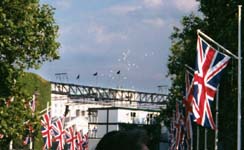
x=108, y=94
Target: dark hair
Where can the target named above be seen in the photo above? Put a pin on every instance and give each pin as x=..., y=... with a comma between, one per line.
x=123, y=140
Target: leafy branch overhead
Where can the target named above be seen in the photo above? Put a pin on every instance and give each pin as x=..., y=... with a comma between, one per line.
x=27, y=34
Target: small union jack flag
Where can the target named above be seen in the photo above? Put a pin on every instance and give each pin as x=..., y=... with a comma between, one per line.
x=71, y=138
x=187, y=101
x=85, y=141
x=79, y=140
x=179, y=124
x=46, y=130
x=27, y=140
x=209, y=67
x=59, y=134
x=172, y=132
x=28, y=135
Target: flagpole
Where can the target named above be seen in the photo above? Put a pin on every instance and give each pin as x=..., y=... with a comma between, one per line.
x=220, y=46
x=191, y=143
x=188, y=69
x=47, y=107
x=217, y=119
x=120, y=82
x=34, y=98
x=119, y=79
x=96, y=79
x=11, y=145
x=239, y=80
x=206, y=139
x=197, y=137
x=31, y=145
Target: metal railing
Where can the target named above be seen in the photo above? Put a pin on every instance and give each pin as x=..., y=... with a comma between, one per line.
x=107, y=94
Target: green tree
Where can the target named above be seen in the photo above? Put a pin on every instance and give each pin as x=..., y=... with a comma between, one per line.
x=182, y=53
x=219, y=21
x=28, y=35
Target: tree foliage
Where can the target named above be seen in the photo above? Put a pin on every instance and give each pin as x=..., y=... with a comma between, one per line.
x=28, y=34
x=182, y=53
x=219, y=21
x=27, y=37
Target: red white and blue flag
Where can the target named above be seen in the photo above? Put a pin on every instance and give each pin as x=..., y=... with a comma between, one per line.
x=27, y=140
x=46, y=130
x=59, y=134
x=187, y=101
x=71, y=138
x=80, y=140
x=172, y=133
x=85, y=141
x=209, y=67
x=179, y=124
x=28, y=135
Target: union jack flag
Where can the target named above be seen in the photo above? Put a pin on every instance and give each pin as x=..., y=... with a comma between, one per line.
x=209, y=66
x=27, y=140
x=79, y=140
x=187, y=101
x=179, y=125
x=47, y=130
x=28, y=135
x=85, y=141
x=59, y=134
x=172, y=133
x=71, y=138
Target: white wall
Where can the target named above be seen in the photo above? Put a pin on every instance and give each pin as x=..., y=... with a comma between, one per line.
x=102, y=116
x=58, y=104
x=113, y=115
x=92, y=143
x=101, y=130
x=124, y=116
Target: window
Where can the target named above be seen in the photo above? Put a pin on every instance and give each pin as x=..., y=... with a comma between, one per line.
x=133, y=114
x=83, y=113
x=77, y=112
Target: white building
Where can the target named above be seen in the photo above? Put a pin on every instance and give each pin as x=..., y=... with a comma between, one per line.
x=78, y=110
x=100, y=110
x=104, y=120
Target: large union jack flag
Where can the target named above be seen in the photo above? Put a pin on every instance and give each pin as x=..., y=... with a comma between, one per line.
x=209, y=67
x=59, y=134
x=47, y=131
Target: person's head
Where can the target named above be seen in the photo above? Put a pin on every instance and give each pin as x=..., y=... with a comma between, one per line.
x=124, y=140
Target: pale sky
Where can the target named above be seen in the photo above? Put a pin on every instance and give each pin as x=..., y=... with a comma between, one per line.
x=105, y=36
